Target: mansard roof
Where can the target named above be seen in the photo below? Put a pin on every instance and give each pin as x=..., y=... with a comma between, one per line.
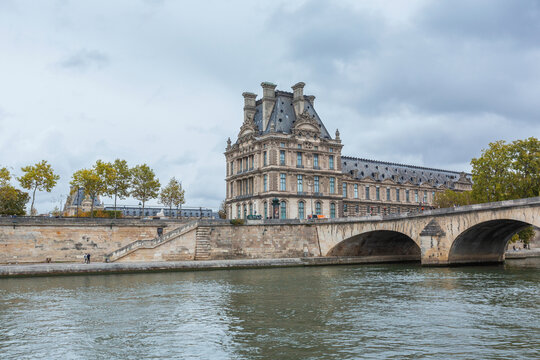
x=283, y=116
x=400, y=173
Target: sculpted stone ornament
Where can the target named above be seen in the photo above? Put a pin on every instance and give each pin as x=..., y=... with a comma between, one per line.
x=337, y=134
x=305, y=125
x=229, y=144
x=248, y=129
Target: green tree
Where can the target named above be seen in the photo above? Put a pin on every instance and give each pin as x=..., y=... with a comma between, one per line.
x=222, y=212
x=12, y=201
x=116, y=177
x=5, y=176
x=144, y=185
x=172, y=194
x=451, y=198
x=92, y=183
x=40, y=177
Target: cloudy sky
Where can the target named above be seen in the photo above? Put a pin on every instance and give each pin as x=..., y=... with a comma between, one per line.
x=421, y=82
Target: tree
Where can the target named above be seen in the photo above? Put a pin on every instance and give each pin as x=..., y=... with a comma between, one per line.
x=117, y=179
x=40, y=177
x=222, y=212
x=12, y=201
x=172, y=194
x=5, y=176
x=450, y=198
x=91, y=182
x=145, y=185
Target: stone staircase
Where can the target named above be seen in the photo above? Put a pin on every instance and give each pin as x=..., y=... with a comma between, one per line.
x=151, y=243
x=202, y=243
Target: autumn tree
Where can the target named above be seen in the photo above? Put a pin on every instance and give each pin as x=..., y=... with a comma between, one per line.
x=222, y=212
x=117, y=179
x=40, y=177
x=92, y=183
x=12, y=201
x=144, y=185
x=451, y=198
x=5, y=176
x=172, y=194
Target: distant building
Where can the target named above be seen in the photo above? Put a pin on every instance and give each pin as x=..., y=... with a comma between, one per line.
x=184, y=212
x=285, y=164
x=77, y=202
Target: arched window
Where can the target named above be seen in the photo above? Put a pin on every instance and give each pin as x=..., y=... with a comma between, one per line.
x=283, y=208
x=332, y=210
x=265, y=210
x=250, y=209
x=318, y=210
x=245, y=211
x=301, y=210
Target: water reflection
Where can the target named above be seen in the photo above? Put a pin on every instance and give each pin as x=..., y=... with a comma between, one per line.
x=374, y=311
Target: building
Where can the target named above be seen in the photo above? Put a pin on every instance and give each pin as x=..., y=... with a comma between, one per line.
x=77, y=202
x=184, y=212
x=285, y=164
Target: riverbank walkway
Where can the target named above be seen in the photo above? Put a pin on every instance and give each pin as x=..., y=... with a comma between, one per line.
x=53, y=269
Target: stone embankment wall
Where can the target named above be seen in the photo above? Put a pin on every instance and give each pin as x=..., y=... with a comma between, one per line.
x=31, y=240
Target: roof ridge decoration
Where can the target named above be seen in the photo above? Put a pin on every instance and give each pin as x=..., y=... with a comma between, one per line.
x=404, y=165
x=305, y=125
x=248, y=128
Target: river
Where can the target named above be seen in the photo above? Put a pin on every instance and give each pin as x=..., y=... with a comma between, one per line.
x=391, y=311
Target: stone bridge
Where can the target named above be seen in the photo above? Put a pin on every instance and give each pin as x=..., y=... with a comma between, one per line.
x=467, y=234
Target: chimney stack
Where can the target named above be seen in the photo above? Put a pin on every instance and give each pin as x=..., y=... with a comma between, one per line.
x=249, y=105
x=298, y=98
x=268, y=101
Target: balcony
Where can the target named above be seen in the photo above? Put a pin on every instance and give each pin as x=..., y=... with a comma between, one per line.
x=240, y=197
x=299, y=166
x=316, y=167
x=302, y=193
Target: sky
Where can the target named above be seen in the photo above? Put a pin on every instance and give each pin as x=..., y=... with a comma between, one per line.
x=422, y=82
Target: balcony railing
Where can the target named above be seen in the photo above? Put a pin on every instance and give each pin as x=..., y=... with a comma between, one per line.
x=299, y=166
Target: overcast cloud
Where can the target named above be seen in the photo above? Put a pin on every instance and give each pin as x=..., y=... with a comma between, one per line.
x=159, y=82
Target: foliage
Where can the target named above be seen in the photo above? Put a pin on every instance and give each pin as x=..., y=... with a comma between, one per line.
x=101, y=214
x=172, y=194
x=222, y=212
x=40, y=177
x=5, y=176
x=524, y=235
x=145, y=185
x=12, y=201
x=56, y=211
x=92, y=183
x=450, y=198
x=507, y=171
x=237, y=222
x=117, y=178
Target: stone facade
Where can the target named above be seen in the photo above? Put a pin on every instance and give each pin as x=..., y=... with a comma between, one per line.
x=285, y=156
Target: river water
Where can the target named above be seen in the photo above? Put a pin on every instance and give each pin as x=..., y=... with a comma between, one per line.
x=336, y=312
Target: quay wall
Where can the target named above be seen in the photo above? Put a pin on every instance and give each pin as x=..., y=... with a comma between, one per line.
x=33, y=240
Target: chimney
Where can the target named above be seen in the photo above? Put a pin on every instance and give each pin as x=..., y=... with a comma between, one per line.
x=249, y=105
x=268, y=101
x=311, y=99
x=298, y=98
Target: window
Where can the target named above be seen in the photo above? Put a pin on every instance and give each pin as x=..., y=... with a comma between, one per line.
x=265, y=183
x=282, y=145
x=299, y=183
x=250, y=209
x=265, y=158
x=331, y=150
x=407, y=198
x=332, y=185
x=332, y=210
x=315, y=160
x=415, y=195
x=397, y=195
x=377, y=193
x=299, y=159
x=301, y=210
x=388, y=194
x=265, y=210
x=316, y=147
x=245, y=211
x=232, y=167
x=318, y=208
x=299, y=146
x=282, y=157
x=283, y=209
x=425, y=196
x=282, y=182
x=316, y=184
x=367, y=192
x=356, y=192
x=357, y=209
x=238, y=211
x=344, y=187
x=331, y=162
x=345, y=208
x=433, y=196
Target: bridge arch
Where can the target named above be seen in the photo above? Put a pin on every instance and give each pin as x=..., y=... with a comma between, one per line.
x=485, y=241
x=383, y=244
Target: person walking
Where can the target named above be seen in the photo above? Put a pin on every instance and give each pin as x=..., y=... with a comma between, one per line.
x=88, y=257
x=85, y=258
